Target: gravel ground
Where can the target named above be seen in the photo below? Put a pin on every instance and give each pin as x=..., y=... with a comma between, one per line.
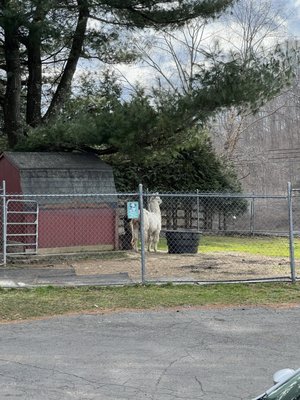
x=208, y=266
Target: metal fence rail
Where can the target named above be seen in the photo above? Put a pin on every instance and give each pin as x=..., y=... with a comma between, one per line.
x=203, y=237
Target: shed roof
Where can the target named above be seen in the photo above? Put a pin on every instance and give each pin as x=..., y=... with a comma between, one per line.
x=62, y=173
x=55, y=160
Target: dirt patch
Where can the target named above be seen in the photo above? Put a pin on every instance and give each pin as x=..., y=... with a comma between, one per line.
x=161, y=266
x=195, y=267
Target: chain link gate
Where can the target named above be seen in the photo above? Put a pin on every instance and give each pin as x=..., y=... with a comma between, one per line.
x=294, y=218
x=2, y=224
x=21, y=227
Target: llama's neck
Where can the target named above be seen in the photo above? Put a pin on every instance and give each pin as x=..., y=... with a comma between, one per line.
x=154, y=207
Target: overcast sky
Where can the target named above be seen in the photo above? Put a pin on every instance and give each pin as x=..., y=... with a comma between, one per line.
x=287, y=14
x=292, y=8
x=288, y=20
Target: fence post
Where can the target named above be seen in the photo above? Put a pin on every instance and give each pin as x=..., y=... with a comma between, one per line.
x=4, y=221
x=291, y=233
x=143, y=263
x=198, y=212
x=252, y=215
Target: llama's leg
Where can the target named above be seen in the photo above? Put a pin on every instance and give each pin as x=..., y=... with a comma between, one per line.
x=150, y=241
x=136, y=240
x=155, y=240
x=134, y=227
x=134, y=244
x=146, y=241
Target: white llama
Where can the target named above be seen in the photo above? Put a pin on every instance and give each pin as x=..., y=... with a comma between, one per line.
x=152, y=225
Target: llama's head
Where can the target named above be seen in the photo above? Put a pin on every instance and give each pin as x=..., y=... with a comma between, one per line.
x=155, y=199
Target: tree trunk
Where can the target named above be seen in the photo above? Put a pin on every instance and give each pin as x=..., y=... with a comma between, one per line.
x=34, y=64
x=12, y=100
x=34, y=88
x=64, y=87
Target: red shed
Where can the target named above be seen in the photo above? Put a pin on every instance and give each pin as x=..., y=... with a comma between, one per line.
x=68, y=202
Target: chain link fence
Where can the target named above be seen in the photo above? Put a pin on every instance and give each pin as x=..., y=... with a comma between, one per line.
x=200, y=237
x=211, y=237
x=2, y=224
x=294, y=217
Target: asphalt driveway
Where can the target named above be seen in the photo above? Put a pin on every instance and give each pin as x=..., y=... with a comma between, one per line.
x=209, y=354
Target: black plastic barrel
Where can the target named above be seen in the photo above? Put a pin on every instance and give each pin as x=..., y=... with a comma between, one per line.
x=180, y=242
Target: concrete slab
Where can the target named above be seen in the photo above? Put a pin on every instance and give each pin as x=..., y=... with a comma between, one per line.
x=32, y=277
x=8, y=283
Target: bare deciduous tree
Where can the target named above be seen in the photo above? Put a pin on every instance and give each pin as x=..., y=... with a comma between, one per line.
x=253, y=27
x=249, y=30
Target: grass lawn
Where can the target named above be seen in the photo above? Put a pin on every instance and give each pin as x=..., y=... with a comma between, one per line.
x=267, y=246
x=16, y=304
x=48, y=301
